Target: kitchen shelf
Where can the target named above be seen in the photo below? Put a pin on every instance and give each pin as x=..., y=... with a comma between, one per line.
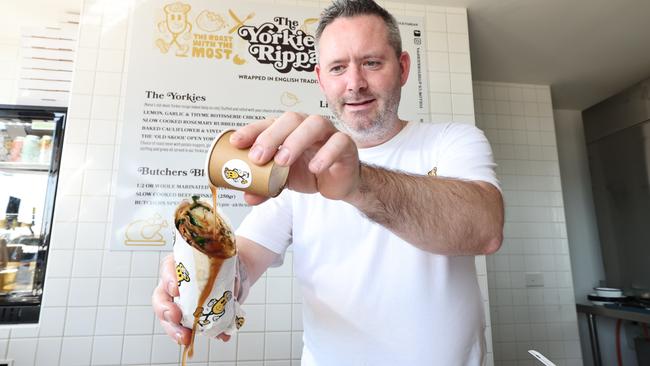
x=34, y=167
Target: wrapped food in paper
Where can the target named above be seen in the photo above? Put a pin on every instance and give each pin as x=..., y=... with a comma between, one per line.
x=206, y=267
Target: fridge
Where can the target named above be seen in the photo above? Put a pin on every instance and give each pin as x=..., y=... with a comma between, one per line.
x=31, y=140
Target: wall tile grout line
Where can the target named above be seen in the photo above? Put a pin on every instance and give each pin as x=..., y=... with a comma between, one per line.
x=551, y=306
x=85, y=156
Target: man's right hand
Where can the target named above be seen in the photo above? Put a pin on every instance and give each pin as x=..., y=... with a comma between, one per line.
x=322, y=158
x=168, y=312
x=162, y=300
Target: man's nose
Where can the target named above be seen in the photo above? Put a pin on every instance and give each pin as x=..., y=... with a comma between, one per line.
x=356, y=79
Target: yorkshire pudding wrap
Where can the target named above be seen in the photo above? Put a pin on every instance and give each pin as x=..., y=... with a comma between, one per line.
x=203, y=230
x=206, y=266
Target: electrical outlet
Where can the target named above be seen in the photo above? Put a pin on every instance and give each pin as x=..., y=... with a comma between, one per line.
x=534, y=279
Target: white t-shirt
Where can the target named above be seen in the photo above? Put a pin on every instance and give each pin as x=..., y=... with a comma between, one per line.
x=370, y=298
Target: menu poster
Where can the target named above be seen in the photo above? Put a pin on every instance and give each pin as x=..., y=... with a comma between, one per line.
x=198, y=67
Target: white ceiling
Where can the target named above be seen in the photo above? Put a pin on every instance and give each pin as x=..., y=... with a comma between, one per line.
x=587, y=50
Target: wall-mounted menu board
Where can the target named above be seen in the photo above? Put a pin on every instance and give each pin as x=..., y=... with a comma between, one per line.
x=198, y=67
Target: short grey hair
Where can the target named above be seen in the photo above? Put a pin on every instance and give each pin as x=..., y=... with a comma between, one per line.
x=352, y=8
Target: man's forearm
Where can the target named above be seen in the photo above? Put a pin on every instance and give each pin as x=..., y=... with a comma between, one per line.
x=438, y=215
x=242, y=281
x=252, y=261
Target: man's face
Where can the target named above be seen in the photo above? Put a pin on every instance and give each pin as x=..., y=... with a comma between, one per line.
x=361, y=76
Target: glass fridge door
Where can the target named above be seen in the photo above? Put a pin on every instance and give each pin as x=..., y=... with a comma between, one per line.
x=30, y=148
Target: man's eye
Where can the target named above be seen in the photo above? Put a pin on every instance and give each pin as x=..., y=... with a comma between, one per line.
x=336, y=69
x=373, y=64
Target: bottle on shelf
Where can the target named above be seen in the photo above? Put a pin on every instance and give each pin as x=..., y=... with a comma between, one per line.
x=5, y=143
x=16, y=149
x=45, y=152
x=30, y=150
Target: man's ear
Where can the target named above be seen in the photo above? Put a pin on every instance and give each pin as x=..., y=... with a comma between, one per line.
x=317, y=70
x=405, y=67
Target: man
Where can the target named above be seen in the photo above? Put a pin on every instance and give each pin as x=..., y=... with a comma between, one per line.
x=385, y=218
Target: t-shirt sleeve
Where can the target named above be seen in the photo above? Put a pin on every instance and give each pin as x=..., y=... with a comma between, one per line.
x=465, y=153
x=270, y=225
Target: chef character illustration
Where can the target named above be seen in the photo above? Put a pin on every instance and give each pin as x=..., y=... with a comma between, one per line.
x=176, y=30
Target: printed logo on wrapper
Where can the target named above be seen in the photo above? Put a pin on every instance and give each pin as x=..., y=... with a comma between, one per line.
x=237, y=173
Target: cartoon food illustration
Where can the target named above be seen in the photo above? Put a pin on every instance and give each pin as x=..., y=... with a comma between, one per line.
x=216, y=309
x=146, y=232
x=176, y=30
x=238, y=22
x=289, y=99
x=210, y=22
x=182, y=273
x=204, y=230
x=238, y=60
x=309, y=26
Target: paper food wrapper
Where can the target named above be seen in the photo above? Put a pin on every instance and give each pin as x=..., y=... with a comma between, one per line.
x=220, y=312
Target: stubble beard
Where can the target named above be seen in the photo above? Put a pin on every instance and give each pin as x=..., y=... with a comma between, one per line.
x=366, y=129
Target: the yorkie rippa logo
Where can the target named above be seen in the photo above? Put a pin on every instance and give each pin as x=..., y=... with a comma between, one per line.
x=282, y=43
x=286, y=44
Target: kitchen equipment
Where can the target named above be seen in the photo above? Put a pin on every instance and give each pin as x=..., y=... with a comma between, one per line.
x=608, y=292
x=603, y=300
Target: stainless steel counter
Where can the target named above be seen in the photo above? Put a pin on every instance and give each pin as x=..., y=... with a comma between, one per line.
x=623, y=313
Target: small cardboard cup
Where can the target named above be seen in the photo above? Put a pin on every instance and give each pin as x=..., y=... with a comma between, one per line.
x=229, y=167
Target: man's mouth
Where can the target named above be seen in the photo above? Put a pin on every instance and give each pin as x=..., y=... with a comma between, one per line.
x=359, y=103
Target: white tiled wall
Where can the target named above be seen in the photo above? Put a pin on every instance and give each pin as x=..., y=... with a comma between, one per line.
x=9, y=67
x=518, y=121
x=18, y=16
x=97, y=302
